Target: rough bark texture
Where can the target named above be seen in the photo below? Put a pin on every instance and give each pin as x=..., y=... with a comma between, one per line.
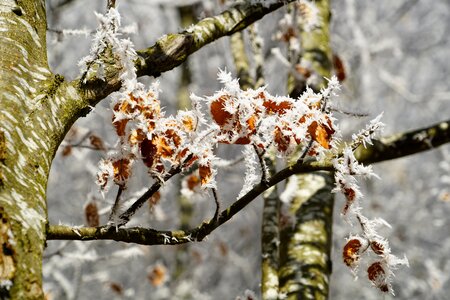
x=270, y=245
x=37, y=109
x=305, y=264
x=25, y=146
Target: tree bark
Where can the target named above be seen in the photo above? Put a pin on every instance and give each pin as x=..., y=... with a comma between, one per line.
x=27, y=146
x=37, y=109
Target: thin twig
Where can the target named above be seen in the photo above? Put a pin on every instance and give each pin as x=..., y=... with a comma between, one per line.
x=305, y=152
x=349, y=113
x=125, y=216
x=83, y=138
x=87, y=147
x=114, y=208
x=216, y=199
x=262, y=163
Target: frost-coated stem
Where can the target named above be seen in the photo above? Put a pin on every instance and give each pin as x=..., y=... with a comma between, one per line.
x=125, y=216
x=115, y=207
x=216, y=201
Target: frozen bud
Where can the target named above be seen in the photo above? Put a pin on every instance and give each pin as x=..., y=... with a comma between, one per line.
x=377, y=247
x=116, y=288
x=157, y=275
x=377, y=275
x=154, y=199
x=67, y=150
x=353, y=250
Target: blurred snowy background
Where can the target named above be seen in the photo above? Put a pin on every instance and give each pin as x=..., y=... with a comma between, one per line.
x=397, y=60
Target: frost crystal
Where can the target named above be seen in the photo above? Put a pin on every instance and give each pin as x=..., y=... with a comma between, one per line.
x=108, y=36
x=251, y=163
x=365, y=135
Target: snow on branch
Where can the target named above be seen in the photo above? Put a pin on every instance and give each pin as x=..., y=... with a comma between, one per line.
x=108, y=36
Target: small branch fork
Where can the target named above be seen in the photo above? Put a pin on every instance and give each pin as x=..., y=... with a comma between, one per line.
x=125, y=216
x=390, y=148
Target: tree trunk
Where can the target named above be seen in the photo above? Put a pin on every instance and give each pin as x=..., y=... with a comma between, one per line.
x=32, y=124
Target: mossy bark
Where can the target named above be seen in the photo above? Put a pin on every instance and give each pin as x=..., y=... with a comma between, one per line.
x=37, y=108
x=26, y=154
x=305, y=263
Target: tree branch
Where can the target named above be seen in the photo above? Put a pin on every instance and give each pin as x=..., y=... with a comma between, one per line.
x=404, y=144
x=173, y=49
x=396, y=146
x=147, y=236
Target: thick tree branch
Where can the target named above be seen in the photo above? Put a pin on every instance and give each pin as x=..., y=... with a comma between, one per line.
x=172, y=50
x=404, y=144
x=387, y=148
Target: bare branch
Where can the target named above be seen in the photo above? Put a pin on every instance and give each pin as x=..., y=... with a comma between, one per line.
x=405, y=144
x=147, y=236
